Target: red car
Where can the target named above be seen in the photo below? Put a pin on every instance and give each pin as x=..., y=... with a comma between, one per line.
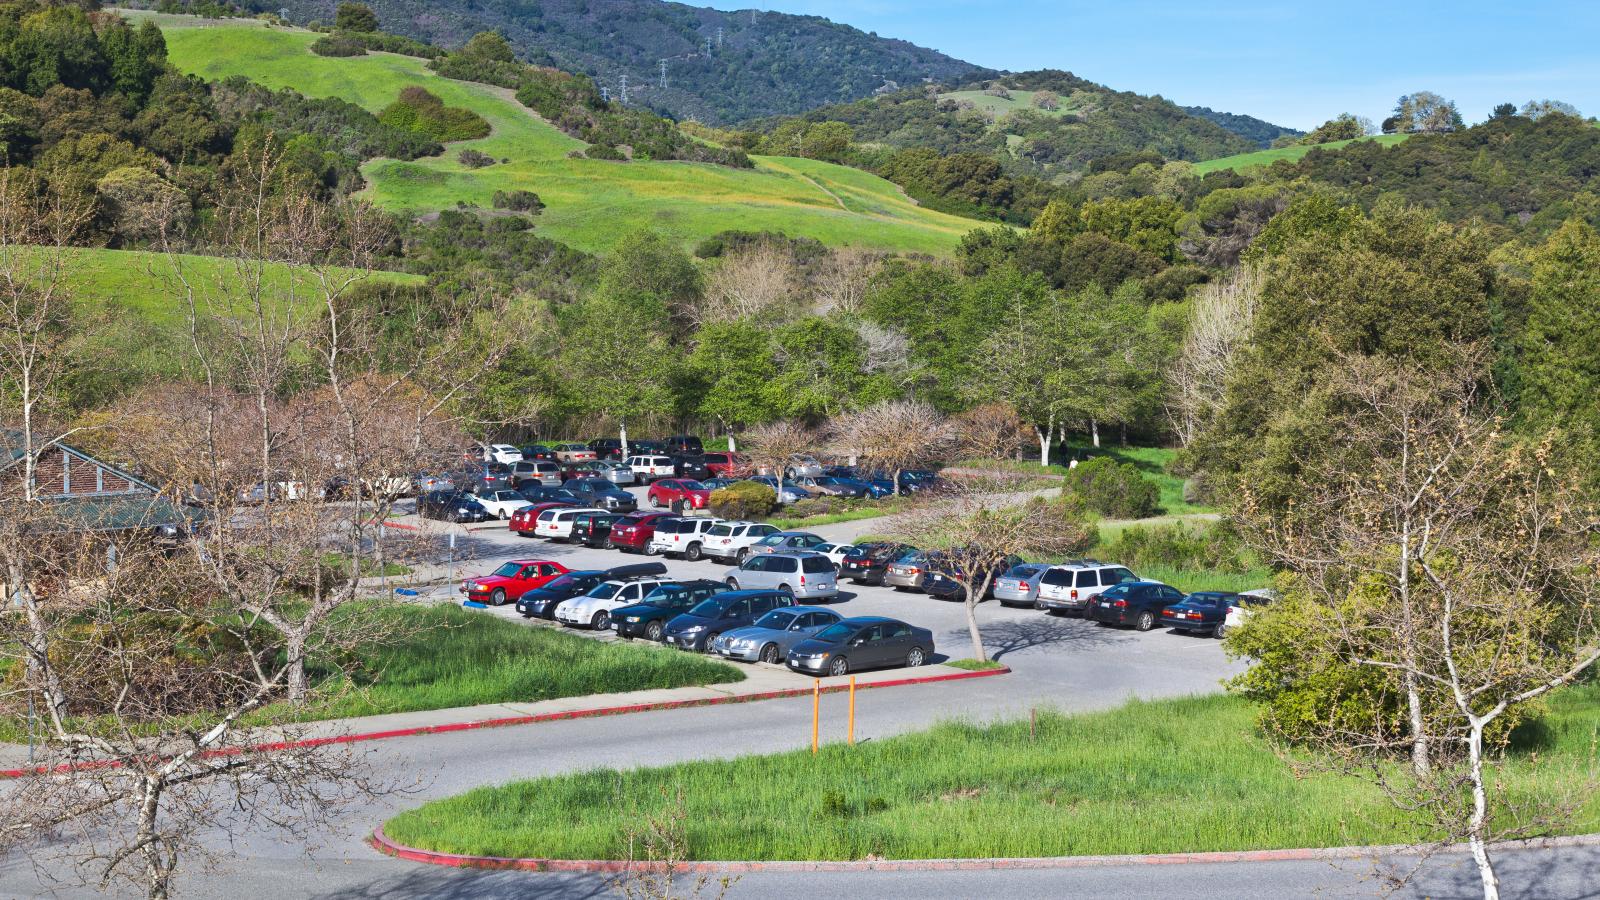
x=693, y=494
x=522, y=520
x=632, y=532
x=512, y=580
x=727, y=465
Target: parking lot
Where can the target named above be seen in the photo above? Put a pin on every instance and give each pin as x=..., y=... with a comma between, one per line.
x=1051, y=657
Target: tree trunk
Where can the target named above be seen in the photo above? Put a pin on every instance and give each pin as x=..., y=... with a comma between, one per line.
x=1094, y=431
x=1478, y=825
x=622, y=432
x=295, y=678
x=1420, y=762
x=733, y=442
x=1045, y=435
x=158, y=866
x=972, y=627
x=897, y=482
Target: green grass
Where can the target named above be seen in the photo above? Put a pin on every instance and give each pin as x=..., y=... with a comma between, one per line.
x=1190, y=580
x=590, y=204
x=1151, y=777
x=1154, y=462
x=975, y=665
x=1019, y=100
x=874, y=509
x=1242, y=161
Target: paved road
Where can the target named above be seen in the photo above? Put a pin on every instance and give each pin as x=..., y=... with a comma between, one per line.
x=1064, y=663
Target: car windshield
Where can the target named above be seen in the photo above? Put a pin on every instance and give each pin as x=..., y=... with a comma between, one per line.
x=836, y=632
x=565, y=581
x=707, y=609
x=507, y=570
x=691, y=485
x=605, y=590
x=777, y=620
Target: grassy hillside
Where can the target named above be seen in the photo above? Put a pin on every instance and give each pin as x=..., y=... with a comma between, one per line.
x=1243, y=161
x=1019, y=100
x=591, y=204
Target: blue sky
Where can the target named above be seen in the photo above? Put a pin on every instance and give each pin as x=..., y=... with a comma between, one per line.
x=1296, y=64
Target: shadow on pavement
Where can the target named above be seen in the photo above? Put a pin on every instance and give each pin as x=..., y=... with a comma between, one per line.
x=1002, y=638
x=472, y=884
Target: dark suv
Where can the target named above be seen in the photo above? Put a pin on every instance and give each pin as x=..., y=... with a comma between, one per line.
x=452, y=506
x=694, y=629
x=691, y=465
x=686, y=444
x=593, y=529
x=602, y=494
x=648, y=618
x=1136, y=603
x=489, y=476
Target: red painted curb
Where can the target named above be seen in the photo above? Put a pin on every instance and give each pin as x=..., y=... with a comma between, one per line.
x=382, y=843
x=591, y=713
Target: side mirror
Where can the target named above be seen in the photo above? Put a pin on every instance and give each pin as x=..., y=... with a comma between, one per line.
x=856, y=642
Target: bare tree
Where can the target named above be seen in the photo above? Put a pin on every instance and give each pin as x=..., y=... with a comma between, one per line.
x=771, y=447
x=989, y=431
x=752, y=284
x=1219, y=324
x=1452, y=562
x=841, y=279
x=893, y=435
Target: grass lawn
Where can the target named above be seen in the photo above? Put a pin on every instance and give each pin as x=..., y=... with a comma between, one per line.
x=872, y=510
x=1169, y=776
x=1242, y=161
x=591, y=204
x=1153, y=462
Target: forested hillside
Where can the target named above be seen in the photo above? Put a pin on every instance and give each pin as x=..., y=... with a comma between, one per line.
x=759, y=64
x=1248, y=127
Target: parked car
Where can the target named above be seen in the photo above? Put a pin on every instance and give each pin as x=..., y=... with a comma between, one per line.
x=536, y=493
x=678, y=493
x=687, y=465
x=512, y=579
x=784, y=541
x=770, y=638
x=1136, y=603
x=502, y=504
x=1071, y=587
x=1019, y=585
x=806, y=576
x=593, y=608
x=836, y=553
x=915, y=480
x=1204, y=612
x=946, y=575
x=1246, y=603
x=536, y=472
x=451, y=506
x=541, y=602
x=801, y=467
x=727, y=465
x=683, y=443
x=632, y=533
x=681, y=536
x=648, y=618
x=594, y=529
x=647, y=448
x=867, y=563
x=718, y=483
x=525, y=521
x=428, y=482
x=489, y=476
x=848, y=477
x=861, y=643
x=730, y=541
x=534, y=452
x=502, y=453
x=606, y=448
x=838, y=471
x=601, y=494
x=556, y=524
x=697, y=628
x=828, y=486
x=787, y=491
x=571, y=453
x=614, y=472
x=905, y=573
x=545, y=606
x=651, y=468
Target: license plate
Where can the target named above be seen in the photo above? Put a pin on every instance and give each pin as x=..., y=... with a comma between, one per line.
x=671, y=639
x=1106, y=605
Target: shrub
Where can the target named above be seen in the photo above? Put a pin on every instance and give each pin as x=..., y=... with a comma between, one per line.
x=355, y=17
x=1115, y=489
x=419, y=110
x=475, y=159
x=518, y=201
x=743, y=500
x=604, y=151
x=1215, y=548
x=340, y=43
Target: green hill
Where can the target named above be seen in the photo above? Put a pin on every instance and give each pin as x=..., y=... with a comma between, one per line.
x=1242, y=161
x=590, y=204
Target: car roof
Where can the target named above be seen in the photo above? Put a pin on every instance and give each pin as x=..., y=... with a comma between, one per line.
x=797, y=534
x=870, y=620
x=749, y=592
x=796, y=554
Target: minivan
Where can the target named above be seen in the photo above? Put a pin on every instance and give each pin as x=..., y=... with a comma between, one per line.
x=685, y=444
x=807, y=576
x=695, y=629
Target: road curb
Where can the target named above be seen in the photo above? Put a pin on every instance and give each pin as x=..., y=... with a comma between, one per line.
x=508, y=721
x=383, y=844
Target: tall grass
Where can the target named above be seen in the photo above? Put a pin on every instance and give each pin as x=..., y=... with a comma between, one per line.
x=1169, y=776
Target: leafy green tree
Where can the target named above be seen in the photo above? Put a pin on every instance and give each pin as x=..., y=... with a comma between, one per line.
x=1149, y=224
x=617, y=353
x=1560, y=355
x=1503, y=111
x=651, y=267
x=1538, y=109
x=491, y=46
x=137, y=58
x=1343, y=127
x=1424, y=112
x=355, y=17
x=821, y=371
x=731, y=365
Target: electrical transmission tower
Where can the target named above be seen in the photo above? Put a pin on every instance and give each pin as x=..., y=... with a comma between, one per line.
x=708, y=46
x=605, y=94
x=624, y=88
x=663, y=74
x=719, y=37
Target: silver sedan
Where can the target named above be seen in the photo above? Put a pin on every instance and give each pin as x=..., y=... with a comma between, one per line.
x=773, y=635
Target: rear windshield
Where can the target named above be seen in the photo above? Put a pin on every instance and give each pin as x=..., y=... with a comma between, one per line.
x=816, y=564
x=909, y=556
x=720, y=531
x=1058, y=577
x=1022, y=571
x=673, y=526
x=1117, y=590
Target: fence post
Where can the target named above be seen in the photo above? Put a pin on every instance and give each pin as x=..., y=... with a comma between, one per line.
x=852, y=731
x=816, y=714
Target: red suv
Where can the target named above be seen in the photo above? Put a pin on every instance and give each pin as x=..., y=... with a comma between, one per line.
x=665, y=493
x=512, y=580
x=727, y=465
x=632, y=533
x=522, y=520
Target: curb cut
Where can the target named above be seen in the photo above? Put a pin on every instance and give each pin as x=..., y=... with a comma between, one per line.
x=383, y=844
x=591, y=713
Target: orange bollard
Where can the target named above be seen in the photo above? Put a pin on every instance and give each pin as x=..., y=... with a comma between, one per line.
x=816, y=713
x=852, y=733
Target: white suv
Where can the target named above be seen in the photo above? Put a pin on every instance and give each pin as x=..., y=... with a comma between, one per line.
x=556, y=524
x=1240, y=608
x=502, y=453
x=649, y=468
x=686, y=536
x=730, y=541
x=1071, y=586
x=594, y=608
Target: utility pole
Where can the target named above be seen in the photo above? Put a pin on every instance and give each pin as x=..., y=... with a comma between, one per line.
x=624, y=88
x=663, y=74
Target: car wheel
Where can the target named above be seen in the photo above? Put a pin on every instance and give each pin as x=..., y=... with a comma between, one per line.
x=839, y=666
x=608, y=544
x=1221, y=631
x=769, y=654
x=915, y=658
x=601, y=620
x=733, y=584
x=744, y=554
x=786, y=589
x=653, y=631
x=652, y=551
x=497, y=598
x=693, y=553
x=706, y=647
x=1146, y=621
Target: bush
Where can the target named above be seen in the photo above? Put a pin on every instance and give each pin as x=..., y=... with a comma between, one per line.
x=475, y=159
x=1216, y=548
x=355, y=17
x=340, y=43
x=820, y=506
x=743, y=500
x=1115, y=489
x=518, y=201
x=419, y=110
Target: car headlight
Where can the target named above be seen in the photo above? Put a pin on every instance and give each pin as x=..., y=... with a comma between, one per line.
x=632, y=620
x=480, y=587
x=694, y=629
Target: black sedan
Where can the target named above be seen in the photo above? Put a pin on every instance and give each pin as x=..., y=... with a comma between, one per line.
x=602, y=494
x=864, y=642
x=865, y=563
x=541, y=602
x=1203, y=612
x=452, y=506
x=534, y=452
x=946, y=576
